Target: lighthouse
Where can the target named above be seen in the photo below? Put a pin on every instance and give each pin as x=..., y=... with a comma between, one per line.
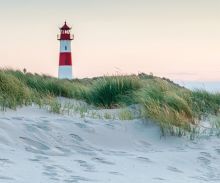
x=65, y=58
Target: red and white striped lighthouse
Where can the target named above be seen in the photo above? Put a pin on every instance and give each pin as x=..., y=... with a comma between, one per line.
x=65, y=59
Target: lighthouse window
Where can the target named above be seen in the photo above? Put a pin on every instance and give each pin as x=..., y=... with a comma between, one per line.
x=65, y=47
x=66, y=62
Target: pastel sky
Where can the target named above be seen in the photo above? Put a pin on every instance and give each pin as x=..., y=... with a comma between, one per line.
x=179, y=39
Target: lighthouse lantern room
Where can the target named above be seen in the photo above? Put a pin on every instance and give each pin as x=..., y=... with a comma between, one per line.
x=65, y=58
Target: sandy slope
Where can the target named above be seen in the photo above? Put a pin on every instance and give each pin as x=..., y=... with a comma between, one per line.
x=39, y=147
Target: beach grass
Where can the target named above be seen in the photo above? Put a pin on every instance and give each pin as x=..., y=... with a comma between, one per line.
x=173, y=107
x=13, y=92
x=167, y=104
x=205, y=103
x=114, y=91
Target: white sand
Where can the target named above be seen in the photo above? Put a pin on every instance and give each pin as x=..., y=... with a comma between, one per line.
x=40, y=147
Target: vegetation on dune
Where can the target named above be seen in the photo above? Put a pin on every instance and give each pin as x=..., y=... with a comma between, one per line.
x=49, y=85
x=13, y=92
x=113, y=91
x=168, y=104
x=205, y=103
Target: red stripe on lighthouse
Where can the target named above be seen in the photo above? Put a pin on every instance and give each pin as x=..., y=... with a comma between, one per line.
x=65, y=59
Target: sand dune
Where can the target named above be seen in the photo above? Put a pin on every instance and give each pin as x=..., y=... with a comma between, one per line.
x=39, y=147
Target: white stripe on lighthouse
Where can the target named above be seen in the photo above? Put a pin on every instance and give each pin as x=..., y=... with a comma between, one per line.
x=65, y=72
x=65, y=46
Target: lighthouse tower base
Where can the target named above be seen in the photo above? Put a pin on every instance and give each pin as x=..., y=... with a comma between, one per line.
x=65, y=72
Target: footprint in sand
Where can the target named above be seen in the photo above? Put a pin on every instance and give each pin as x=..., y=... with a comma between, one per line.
x=159, y=178
x=4, y=178
x=206, y=154
x=110, y=126
x=18, y=118
x=84, y=150
x=118, y=153
x=204, y=160
x=76, y=138
x=43, y=158
x=50, y=171
x=62, y=168
x=103, y=161
x=4, y=118
x=144, y=143
x=50, y=174
x=144, y=159
x=85, y=127
x=35, y=144
x=88, y=167
x=174, y=169
x=64, y=150
x=34, y=159
x=199, y=178
x=29, y=120
x=40, y=159
x=77, y=179
x=43, y=126
x=5, y=161
x=88, y=121
x=115, y=173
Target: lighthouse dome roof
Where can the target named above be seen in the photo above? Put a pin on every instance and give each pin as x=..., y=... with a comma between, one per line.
x=65, y=27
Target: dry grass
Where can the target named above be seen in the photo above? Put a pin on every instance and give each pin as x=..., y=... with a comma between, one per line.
x=171, y=106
